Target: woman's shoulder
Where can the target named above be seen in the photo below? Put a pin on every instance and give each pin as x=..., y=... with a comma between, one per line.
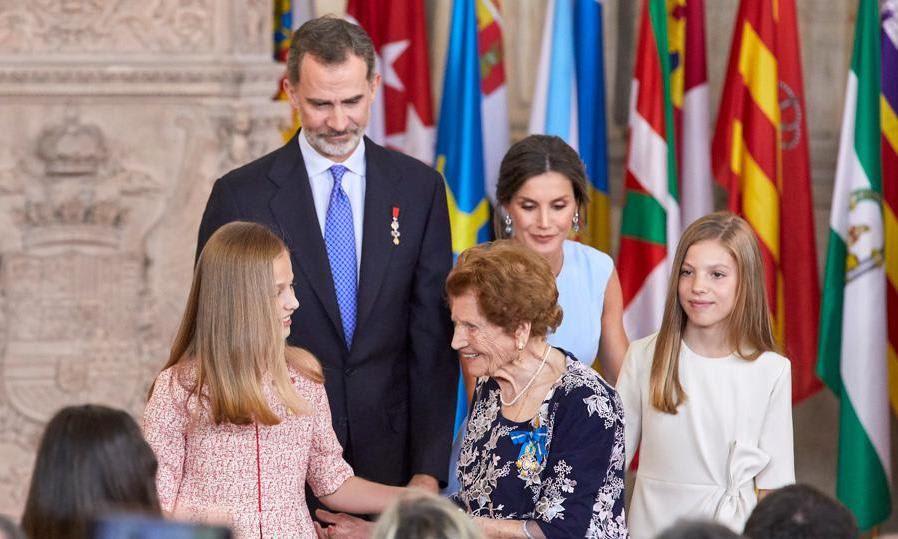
x=774, y=363
x=587, y=394
x=638, y=360
x=184, y=373
x=176, y=384
x=581, y=378
x=303, y=367
x=643, y=349
x=582, y=253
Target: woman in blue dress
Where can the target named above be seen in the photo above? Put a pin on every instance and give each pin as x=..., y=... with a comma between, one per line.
x=543, y=455
x=542, y=193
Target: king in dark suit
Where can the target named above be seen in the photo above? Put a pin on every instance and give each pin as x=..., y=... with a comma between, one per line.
x=368, y=233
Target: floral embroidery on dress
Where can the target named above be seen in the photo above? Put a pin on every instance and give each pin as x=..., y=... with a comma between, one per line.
x=506, y=469
x=483, y=473
x=551, y=503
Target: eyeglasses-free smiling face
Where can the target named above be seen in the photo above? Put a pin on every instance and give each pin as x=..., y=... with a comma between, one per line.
x=285, y=298
x=482, y=347
x=542, y=212
x=707, y=286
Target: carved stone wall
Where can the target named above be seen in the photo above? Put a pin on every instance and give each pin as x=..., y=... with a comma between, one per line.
x=115, y=119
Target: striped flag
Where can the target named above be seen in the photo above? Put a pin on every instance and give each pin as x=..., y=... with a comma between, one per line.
x=853, y=317
x=288, y=15
x=689, y=92
x=402, y=113
x=650, y=225
x=494, y=103
x=760, y=156
x=460, y=142
x=282, y=31
x=571, y=65
x=889, y=128
x=460, y=134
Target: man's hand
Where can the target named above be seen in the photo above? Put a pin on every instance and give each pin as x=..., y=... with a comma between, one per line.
x=343, y=525
x=425, y=482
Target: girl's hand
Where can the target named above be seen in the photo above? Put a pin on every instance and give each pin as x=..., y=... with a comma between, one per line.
x=342, y=525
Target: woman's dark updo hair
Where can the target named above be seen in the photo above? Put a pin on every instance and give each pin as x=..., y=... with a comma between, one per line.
x=535, y=155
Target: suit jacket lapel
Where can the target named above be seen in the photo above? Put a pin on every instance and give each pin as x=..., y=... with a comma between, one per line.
x=294, y=210
x=381, y=180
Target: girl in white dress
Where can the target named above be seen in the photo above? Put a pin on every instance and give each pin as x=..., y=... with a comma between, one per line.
x=707, y=400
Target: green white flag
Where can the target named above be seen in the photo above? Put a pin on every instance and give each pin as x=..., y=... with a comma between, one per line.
x=852, y=351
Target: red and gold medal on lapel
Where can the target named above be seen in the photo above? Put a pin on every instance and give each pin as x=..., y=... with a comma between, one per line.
x=394, y=226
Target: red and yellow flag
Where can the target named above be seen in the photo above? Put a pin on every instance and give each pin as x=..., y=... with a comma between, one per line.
x=689, y=93
x=760, y=156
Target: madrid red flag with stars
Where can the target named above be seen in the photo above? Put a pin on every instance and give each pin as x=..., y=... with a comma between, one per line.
x=402, y=115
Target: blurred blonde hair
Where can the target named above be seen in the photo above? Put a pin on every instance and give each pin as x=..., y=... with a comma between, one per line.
x=425, y=516
x=748, y=326
x=232, y=328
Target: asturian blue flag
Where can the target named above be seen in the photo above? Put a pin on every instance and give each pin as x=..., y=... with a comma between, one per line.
x=460, y=144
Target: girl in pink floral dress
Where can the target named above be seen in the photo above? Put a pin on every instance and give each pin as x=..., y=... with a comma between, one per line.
x=238, y=420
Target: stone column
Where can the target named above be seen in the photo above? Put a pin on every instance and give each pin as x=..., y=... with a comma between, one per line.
x=115, y=119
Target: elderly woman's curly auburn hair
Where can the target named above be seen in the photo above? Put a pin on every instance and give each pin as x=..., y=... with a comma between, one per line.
x=512, y=285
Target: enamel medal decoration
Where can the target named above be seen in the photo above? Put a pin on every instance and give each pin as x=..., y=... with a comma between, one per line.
x=394, y=226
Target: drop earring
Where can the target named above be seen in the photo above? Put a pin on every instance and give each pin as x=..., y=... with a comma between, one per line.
x=507, y=221
x=575, y=222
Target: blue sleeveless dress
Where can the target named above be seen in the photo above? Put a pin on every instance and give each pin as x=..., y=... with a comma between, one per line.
x=581, y=294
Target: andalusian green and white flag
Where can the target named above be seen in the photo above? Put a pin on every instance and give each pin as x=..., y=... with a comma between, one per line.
x=852, y=352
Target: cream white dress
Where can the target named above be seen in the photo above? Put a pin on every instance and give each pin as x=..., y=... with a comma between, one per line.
x=732, y=434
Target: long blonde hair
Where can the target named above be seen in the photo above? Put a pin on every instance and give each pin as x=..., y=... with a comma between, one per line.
x=233, y=330
x=748, y=326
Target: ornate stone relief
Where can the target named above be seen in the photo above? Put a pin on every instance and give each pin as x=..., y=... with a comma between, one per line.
x=116, y=26
x=245, y=133
x=115, y=118
x=253, y=26
x=73, y=294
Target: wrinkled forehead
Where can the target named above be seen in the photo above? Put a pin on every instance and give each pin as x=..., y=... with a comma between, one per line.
x=465, y=306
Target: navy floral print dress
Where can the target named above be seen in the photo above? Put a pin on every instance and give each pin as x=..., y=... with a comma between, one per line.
x=563, y=469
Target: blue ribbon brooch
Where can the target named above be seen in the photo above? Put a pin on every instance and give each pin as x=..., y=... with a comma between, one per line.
x=533, y=451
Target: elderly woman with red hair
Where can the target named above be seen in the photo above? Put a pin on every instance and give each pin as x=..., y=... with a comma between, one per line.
x=544, y=452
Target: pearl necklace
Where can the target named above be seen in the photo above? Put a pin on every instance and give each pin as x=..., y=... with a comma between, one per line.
x=530, y=382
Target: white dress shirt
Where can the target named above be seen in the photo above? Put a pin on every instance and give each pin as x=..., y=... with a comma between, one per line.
x=322, y=183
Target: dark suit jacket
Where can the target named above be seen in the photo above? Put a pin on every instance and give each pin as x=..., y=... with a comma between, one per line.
x=392, y=396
